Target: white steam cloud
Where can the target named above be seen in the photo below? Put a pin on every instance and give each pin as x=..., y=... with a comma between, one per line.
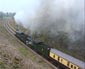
x=54, y=16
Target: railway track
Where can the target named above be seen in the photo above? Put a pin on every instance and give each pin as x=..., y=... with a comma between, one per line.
x=11, y=30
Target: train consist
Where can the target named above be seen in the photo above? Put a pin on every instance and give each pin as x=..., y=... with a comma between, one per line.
x=63, y=60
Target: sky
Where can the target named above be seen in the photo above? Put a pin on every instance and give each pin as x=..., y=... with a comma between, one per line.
x=19, y=6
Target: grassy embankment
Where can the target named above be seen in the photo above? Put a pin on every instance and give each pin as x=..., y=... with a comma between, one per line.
x=13, y=55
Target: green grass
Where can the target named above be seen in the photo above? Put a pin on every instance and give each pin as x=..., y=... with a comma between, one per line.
x=3, y=65
x=23, y=50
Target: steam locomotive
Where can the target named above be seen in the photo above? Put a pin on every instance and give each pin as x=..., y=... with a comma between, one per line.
x=63, y=60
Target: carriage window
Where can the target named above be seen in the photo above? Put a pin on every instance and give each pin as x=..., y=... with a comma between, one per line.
x=71, y=66
x=58, y=58
x=61, y=60
x=68, y=63
x=74, y=67
x=53, y=56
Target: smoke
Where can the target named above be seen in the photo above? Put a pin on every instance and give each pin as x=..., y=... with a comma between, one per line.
x=57, y=15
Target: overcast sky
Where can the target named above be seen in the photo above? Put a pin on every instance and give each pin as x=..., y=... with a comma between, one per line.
x=19, y=6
